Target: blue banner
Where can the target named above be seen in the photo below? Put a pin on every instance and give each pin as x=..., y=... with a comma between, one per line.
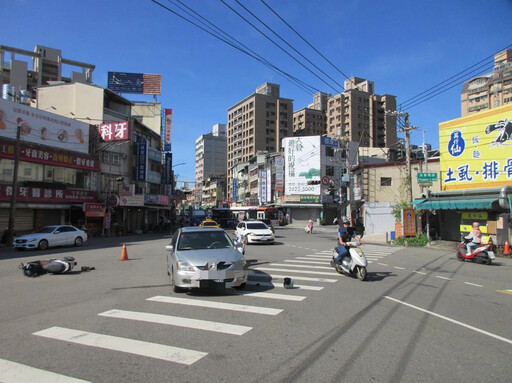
x=142, y=155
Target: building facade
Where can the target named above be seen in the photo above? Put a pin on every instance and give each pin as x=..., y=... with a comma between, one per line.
x=358, y=114
x=211, y=158
x=490, y=90
x=258, y=123
x=312, y=121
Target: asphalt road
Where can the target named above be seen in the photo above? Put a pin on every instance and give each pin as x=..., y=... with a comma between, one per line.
x=422, y=316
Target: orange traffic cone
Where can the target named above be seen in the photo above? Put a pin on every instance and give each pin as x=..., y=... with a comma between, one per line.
x=506, y=249
x=124, y=253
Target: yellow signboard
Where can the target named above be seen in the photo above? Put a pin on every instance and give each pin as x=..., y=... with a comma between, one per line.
x=476, y=150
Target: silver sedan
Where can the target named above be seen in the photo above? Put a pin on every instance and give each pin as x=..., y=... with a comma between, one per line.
x=205, y=258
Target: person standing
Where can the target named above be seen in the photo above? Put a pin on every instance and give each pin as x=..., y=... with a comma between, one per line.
x=310, y=226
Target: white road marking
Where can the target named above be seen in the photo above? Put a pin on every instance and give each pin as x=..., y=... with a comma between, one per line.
x=216, y=305
x=295, y=286
x=298, y=271
x=298, y=277
x=399, y=268
x=284, y=297
x=131, y=346
x=302, y=266
x=307, y=260
x=318, y=256
x=224, y=328
x=383, y=264
x=12, y=372
x=473, y=284
x=419, y=272
x=441, y=277
x=452, y=320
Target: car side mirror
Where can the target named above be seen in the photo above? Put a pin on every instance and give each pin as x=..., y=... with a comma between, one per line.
x=56, y=232
x=169, y=247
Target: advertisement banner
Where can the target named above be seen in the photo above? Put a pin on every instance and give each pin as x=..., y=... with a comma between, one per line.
x=279, y=174
x=168, y=168
x=43, y=128
x=141, y=83
x=263, y=186
x=142, y=156
x=49, y=156
x=94, y=209
x=302, y=164
x=47, y=194
x=234, y=188
x=269, y=185
x=168, y=130
x=114, y=131
x=476, y=150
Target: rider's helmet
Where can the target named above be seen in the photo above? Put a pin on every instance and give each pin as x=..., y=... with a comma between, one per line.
x=346, y=221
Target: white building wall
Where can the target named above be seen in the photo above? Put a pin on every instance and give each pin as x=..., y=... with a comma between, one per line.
x=378, y=217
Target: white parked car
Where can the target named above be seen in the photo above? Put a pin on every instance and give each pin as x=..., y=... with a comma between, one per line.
x=254, y=232
x=51, y=236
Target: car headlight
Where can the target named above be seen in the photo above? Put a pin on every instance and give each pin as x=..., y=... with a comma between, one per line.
x=32, y=240
x=251, y=234
x=184, y=266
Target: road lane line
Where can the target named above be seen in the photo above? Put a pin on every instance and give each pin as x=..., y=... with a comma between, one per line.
x=12, y=372
x=419, y=272
x=505, y=291
x=298, y=271
x=284, y=297
x=302, y=266
x=130, y=346
x=399, y=268
x=383, y=264
x=473, y=284
x=216, y=305
x=441, y=277
x=295, y=286
x=296, y=277
x=197, y=324
x=452, y=320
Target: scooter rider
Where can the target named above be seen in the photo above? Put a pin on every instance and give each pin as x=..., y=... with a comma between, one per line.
x=475, y=237
x=345, y=235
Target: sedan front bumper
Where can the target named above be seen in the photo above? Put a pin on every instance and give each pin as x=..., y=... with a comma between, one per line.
x=210, y=278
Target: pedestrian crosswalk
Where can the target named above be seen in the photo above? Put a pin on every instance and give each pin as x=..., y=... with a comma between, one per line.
x=311, y=272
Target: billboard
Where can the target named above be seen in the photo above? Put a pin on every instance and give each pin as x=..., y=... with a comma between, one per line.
x=302, y=164
x=43, y=128
x=476, y=150
x=279, y=174
x=141, y=83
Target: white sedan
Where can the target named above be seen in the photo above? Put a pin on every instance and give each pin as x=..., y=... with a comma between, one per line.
x=255, y=232
x=51, y=236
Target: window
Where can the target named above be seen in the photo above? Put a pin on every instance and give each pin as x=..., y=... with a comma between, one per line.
x=329, y=171
x=329, y=151
x=385, y=181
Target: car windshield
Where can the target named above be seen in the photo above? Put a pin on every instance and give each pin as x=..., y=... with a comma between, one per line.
x=47, y=229
x=204, y=240
x=209, y=223
x=257, y=225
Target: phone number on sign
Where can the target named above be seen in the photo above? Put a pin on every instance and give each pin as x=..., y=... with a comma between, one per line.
x=301, y=189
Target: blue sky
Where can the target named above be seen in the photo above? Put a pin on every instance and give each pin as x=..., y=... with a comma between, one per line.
x=405, y=47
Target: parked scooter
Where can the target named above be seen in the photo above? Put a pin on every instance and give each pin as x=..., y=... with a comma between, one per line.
x=482, y=254
x=354, y=263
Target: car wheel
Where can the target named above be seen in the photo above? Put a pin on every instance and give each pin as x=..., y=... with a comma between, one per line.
x=79, y=241
x=242, y=286
x=43, y=244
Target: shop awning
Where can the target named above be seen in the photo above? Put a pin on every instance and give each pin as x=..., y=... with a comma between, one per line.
x=456, y=203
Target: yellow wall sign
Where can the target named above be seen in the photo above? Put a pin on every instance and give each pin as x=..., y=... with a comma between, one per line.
x=476, y=150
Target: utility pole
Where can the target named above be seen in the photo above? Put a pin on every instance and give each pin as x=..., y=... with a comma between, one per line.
x=14, y=195
x=406, y=129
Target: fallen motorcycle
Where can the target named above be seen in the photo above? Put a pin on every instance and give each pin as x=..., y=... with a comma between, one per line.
x=52, y=266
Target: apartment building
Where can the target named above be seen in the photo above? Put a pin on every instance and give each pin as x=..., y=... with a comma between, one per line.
x=312, y=121
x=211, y=157
x=490, y=90
x=259, y=122
x=358, y=114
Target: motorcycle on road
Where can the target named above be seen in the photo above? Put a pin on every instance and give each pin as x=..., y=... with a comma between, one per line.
x=353, y=263
x=482, y=254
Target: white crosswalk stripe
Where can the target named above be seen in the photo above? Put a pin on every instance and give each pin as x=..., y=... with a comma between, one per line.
x=131, y=346
x=295, y=286
x=177, y=321
x=307, y=260
x=284, y=297
x=314, y=267
x=299, y=271
x=216, y=305
x=296, y=277
x=12, y=372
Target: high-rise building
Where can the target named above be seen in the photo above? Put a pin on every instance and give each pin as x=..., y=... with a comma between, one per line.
x=489, y=90
x=312, y=121
x=211, y=155
x=259, y=122
x=358, y=114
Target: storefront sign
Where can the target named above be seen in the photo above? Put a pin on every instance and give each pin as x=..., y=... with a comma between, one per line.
x=114, y=131
x=476, y=150
x=48, y=156
x=409, y=222
x=310, y=198
x=94, y=209
x=47, y=194
x=142, y=155
x=168, y=130
x=279, y=174
x=42, y=127
x=156, y=199
x=135, y=200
